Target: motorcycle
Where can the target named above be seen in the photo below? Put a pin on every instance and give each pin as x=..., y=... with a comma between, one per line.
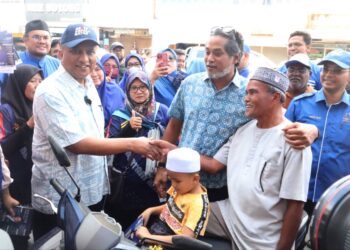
x=80, y=228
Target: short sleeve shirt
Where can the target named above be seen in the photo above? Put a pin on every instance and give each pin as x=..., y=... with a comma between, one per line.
x=187, y=210
x=209, y=117
x=60, y=110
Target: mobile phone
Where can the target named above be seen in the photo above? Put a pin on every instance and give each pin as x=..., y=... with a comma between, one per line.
x=163, y=58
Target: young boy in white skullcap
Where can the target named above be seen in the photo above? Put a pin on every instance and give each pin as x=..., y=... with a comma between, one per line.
x=186, y=211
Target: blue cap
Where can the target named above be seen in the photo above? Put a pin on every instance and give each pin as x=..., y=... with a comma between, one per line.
x=246, y=48
x=76, y=34
x=339, y=57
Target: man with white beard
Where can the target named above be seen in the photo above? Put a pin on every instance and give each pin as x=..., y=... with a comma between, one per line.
x=209, y=107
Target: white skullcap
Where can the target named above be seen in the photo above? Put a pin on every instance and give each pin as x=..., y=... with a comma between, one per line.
x=183, y=160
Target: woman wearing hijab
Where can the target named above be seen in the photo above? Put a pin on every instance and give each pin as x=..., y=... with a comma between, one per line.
x=111, y=67
x=111, y=95
x=133, y=62
x=166, y=78
x=141, y=115
x=16, y=133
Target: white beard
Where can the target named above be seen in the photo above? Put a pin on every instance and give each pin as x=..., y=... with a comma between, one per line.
x=219, y=75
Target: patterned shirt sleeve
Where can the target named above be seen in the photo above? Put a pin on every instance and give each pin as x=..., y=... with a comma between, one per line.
x=177, y=109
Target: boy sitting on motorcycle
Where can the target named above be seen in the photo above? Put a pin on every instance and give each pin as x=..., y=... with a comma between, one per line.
x=186, y=211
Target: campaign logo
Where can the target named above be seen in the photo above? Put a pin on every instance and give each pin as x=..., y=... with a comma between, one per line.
x=82, y=30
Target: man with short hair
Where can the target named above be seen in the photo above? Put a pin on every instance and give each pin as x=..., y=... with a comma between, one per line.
x=55, y=48
x=67, y=107
x=209, y=107
x=38, y=42
x=267, y=185
x=117, y=48
x=300, y=42
x=329, y=110
x=298, y=72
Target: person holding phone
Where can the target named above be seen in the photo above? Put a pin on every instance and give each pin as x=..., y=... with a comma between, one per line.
x=166, y=77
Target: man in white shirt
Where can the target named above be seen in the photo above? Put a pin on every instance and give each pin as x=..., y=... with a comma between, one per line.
x=67, y=107
x=267, y=179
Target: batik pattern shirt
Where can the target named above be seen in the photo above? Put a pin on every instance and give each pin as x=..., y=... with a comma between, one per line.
x=209, y=117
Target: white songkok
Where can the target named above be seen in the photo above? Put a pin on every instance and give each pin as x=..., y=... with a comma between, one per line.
x=183, y=160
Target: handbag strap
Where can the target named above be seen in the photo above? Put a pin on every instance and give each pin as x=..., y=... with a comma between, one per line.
x=128, y=165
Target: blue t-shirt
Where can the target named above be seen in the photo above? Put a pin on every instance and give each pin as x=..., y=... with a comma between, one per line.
x=331, y=150
x=47, y=64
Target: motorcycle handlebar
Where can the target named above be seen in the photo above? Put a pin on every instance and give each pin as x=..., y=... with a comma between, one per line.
x=57, y=186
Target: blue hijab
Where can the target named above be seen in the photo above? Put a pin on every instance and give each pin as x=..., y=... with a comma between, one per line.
x=166, y=87
x=197, y=65
x=106, y=57
x=111, y=95
x=122, y=82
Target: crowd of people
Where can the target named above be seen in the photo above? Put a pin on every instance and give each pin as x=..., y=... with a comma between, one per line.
x=220, y=150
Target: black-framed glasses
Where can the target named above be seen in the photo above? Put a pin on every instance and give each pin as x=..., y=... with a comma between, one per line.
x=226, y=30
x=142, y=88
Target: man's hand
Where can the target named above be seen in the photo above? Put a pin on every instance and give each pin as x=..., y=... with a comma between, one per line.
x=164, y=146
x=143, y=147
x=160, y=181
x=300, y=135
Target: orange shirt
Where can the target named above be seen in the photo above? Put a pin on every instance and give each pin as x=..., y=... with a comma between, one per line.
x=289, y=96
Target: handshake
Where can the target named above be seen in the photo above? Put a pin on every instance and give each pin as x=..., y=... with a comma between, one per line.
x=153, y=149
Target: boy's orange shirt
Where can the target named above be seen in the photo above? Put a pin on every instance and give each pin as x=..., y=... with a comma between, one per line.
x=190, y=210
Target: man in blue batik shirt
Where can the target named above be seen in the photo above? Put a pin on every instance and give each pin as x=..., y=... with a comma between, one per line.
x=209, y=107
x=329, y=110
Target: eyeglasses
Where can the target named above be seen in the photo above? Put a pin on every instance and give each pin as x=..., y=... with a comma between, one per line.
x=38, y=38
x=292, y=70
x=134, y=89
x=227, y=30
x=133, y=65
x=334, y=70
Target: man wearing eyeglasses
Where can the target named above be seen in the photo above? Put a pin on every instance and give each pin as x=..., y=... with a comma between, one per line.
x=298, y=72
x=329, y=110
x=37, y=40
